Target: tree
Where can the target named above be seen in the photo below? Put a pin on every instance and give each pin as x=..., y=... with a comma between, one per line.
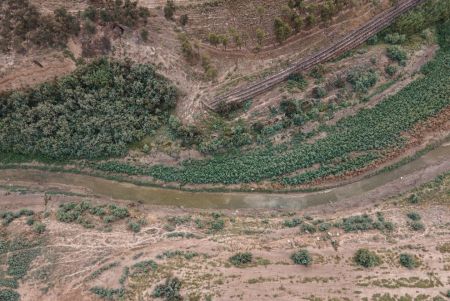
x=169, y=9
x=260, y=35
x=224, y=40
x=282, y=30
x=240, y=259
x=214, y=39
x=184, y=19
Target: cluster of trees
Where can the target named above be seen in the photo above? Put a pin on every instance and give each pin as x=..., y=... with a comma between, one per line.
x=126, y=12
x=95, y=112
x=297, y=15
x=21, y=23
x=233, y=35
x=427, y=14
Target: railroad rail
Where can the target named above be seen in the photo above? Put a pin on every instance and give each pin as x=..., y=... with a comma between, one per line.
x=350, y=41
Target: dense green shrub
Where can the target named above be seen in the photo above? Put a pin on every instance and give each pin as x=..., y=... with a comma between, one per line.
x=133, y=226
x=366, y=258
x=82, y=213
x=241, y=259
x=324, y=227
x=11, y=283
x=95, y=112
x=101, y=270
x=39, y=227
x=416, y=225
x=308, y=228
x=443, y=33
x=414, y=198
x=390, y=70
x=395, y=38
x=291, y=223
x=397, y=54
x=108, y=293
x=9, y=295
x=302, y=257
x=145, y=266
x=365, y=223
x=361, y=80
x=415, y=216
x=217, y=224
x=9, y=216
x=178, y=253
x=19, y=262
x=408, y=261
x=170, y=290
x=319, y=92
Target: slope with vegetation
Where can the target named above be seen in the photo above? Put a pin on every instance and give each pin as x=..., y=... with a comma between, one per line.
x=354, y=142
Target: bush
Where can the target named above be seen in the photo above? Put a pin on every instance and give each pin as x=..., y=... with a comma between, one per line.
x=217, y=225
x=108, y=293
x=308, y=228
x=39, y=228
x=414, y=198
x=416, y=225
x=395, y=38
x=9, y=295
x=361, y=80
x=397, y=54
x=324, y=227
x=291, y=223
x=408, y=261
x=241, y=259
x=414, y=216
x=135, y=227
x=390, y=70
x=170, y=290
x=302, y=257
x=184, y=19
x=319, y=92
x=366, y=258
x=145, y=266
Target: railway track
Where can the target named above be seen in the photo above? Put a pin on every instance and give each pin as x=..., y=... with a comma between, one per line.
x=350, y=41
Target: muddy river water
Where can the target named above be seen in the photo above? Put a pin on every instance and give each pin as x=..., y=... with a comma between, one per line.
x=383, y=185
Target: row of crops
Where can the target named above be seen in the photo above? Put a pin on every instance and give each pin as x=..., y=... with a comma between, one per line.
x=368, y=134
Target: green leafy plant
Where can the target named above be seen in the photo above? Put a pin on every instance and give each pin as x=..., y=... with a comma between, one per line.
x=241, y=259
x=408, y=261
x=302, y=257
x=170, y=290
x=366, y=258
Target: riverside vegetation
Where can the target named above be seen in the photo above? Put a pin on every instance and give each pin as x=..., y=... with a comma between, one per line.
x=107, y=106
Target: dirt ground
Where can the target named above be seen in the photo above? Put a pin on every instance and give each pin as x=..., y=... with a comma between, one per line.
x=71, y=255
